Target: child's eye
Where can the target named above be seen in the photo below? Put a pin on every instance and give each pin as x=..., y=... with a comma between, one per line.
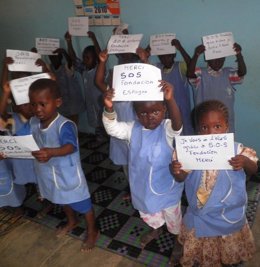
x=203, y=128
x=218, y=126
x=143, y=114
x=156, y=112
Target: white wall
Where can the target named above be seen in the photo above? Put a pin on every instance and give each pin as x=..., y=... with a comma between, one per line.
x=22, y=21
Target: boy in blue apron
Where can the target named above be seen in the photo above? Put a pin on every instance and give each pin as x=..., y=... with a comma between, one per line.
x=215, y=230
x=154, y=192
x=58, y=168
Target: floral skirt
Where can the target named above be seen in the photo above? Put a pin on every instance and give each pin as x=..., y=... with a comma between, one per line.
x=215, y=251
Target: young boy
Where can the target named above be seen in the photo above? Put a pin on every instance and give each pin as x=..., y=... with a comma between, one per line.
x=154, y=193
x=217, y=82
x=58, y=168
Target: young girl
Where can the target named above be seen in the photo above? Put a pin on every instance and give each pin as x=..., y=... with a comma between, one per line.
x=58, y=168
x=93, y=97
x=215, y=231
x=153, y=191
x=216, y=82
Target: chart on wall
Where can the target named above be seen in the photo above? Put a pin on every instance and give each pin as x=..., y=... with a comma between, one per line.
x=99, y=12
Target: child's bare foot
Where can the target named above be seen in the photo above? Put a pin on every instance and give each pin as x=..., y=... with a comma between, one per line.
x=65, y=229
x=89, y=243
x=146, y=238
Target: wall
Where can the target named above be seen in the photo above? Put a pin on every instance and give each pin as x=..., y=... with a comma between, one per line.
x=22, y=21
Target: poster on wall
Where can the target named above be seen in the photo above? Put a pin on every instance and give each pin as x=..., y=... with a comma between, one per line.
x=100, y=12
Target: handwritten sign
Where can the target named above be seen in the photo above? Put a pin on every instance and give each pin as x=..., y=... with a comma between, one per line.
x=18, y=146
x=125, y=43
x=78, y=26
x=205, y=152
x=161, y=44
x=46, y=46
x=20, y=87
x=218, y=45
x=23, y=61
x=137, y=82
x=119, y=29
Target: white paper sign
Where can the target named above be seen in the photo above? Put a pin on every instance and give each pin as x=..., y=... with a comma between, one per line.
x=46, y=46
x=18, y=146
x=119, y=30
x=218, y=45
x=20, y=87
x=78, y=26
x=161, y=44
x=137, y=82
x=205, y=152
x=23, y=61
x=125, y=43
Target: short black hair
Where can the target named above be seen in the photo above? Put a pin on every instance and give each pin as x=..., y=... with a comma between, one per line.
x=45, y=84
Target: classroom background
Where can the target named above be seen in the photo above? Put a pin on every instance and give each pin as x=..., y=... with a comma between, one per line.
x=22, y=21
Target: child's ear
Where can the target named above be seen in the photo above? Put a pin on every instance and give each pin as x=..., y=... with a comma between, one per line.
x=58, y=102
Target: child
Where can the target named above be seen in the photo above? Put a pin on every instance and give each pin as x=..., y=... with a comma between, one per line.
x=215, y=82
x=58, y=168
x=153, y=191
x=215, y=230
x=70, y=83
x=93, y=97
x=175, y=73
x=118, y=150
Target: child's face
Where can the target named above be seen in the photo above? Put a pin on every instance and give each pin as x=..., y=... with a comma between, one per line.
x=212, y=122
x=150, y=114
x=167, y=60
x=89, y=60
x=44, y=106
x=25, y=110
x=216, y=64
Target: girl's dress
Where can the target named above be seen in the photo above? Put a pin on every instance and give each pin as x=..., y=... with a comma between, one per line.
x=11, y=194
x=215, y=230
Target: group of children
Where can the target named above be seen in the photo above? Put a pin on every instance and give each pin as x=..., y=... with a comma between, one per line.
x=214, y=230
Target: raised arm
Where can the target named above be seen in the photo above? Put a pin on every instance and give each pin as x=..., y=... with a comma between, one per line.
x=71, y=51
x=64, y=53
x=240, y=61
x=191, y=67
x=172, y=107
x=183, y=52
x=101, y=70
x=4, y=98
x=92, y=36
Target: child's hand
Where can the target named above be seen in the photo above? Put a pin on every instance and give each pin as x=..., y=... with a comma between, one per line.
x=42, y=155
x=238, y=162
x=91, y=35
x=237, y=48
x=143, y=54
x=167, y=89
x=2, y=156
x=108, y=102
x=39, y=62
x=176, y=43
x=200, y=49
x=67, y=36
x=8, y=61
x=176, y=167
x=7, y=88
x=59, y=51
x=34, y=50
x=103, y=56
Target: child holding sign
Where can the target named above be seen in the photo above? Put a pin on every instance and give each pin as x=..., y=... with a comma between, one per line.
x=175, y=73
x=60, y=177
x=216, y=82
x=215, y=230
x=154, y=193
